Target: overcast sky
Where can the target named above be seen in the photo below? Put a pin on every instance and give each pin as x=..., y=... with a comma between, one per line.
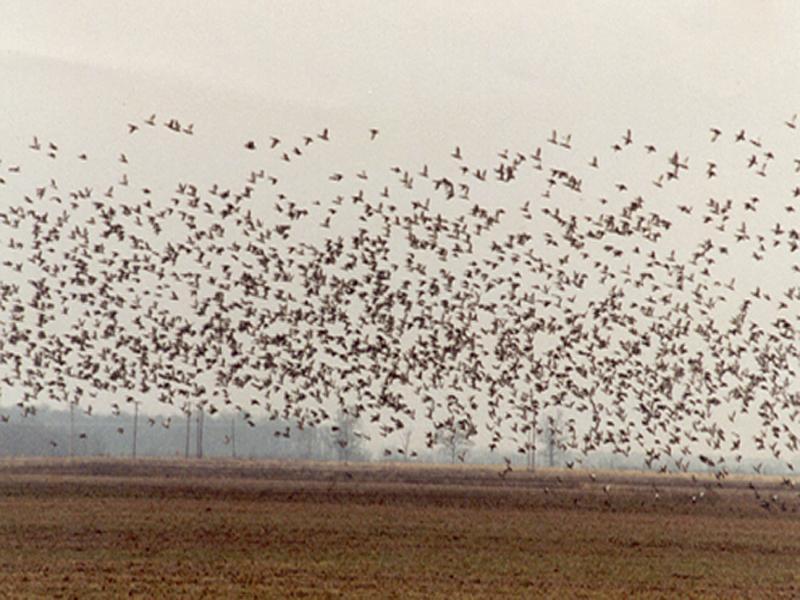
x=476, y=67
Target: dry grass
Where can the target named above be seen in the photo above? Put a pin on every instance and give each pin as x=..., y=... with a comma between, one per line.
x=160, y=528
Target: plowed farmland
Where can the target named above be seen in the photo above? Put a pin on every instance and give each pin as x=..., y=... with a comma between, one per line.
x=159, y=528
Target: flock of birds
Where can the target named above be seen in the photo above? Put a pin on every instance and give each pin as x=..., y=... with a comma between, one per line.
x=541, y=290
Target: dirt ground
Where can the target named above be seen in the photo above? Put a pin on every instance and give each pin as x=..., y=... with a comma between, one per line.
x=167, y=528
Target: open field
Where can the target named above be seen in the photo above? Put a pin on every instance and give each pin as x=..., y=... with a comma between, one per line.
x=158, y=528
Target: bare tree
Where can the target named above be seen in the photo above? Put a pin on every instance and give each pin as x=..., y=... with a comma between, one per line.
x=454, y=439
x=345, y=437
x=405, y=437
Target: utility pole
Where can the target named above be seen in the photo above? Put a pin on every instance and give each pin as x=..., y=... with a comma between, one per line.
x=532, y=443
x=233, y=436
x=71, y=428
x=531, y=447
x=135, y=424
x=188, y=428
x=199, y=434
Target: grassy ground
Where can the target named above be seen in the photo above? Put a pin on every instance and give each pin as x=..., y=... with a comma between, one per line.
x=241, y=529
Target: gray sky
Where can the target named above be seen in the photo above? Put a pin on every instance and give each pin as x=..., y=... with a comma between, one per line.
x=474, y=68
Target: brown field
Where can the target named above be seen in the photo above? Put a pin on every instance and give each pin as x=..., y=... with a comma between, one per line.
x=165, y=528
